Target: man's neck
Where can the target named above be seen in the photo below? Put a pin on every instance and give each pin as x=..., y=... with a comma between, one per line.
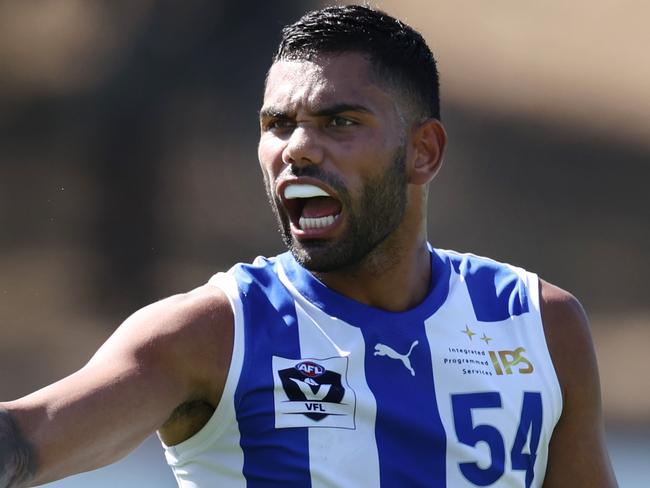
x=390, y=278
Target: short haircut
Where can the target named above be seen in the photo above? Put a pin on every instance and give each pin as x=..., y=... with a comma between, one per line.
x=398, y=53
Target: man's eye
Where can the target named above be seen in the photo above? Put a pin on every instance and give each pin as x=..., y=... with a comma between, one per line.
x=278, y=124
x=340, y=122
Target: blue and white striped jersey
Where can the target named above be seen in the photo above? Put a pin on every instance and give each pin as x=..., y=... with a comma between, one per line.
x=324, y=391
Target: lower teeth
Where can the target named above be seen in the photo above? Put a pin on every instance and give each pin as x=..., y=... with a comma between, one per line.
x=316, y=223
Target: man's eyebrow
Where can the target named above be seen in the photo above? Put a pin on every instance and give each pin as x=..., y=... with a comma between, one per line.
x=325, y=111
x=272, y=112
x=340, y=108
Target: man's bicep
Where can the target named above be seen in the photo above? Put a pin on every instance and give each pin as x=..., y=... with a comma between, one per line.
x=577, y=453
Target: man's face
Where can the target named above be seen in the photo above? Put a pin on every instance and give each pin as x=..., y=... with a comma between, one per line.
x=333, y=156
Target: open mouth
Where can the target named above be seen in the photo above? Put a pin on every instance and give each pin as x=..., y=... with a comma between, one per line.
x=310, y=208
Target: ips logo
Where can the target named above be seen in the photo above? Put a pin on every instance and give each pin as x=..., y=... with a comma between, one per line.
x=313, y=393
x=505, y=361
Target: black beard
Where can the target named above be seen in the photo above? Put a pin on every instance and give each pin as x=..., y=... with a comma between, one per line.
x=370, y=220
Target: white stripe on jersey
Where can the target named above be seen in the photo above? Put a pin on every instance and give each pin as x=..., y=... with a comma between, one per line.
x=352, y=452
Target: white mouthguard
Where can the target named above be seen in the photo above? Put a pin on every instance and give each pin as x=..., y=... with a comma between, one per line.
x=303, y=191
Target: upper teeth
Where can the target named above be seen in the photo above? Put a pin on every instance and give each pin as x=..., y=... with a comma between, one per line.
x=303, y=191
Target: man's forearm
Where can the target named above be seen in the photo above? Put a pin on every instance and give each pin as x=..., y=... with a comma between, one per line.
x=17, y=457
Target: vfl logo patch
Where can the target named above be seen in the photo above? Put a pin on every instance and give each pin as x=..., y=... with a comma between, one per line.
x=312, y=393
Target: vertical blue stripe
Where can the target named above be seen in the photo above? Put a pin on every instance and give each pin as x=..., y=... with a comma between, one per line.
x=414, y=458
x=272, y=457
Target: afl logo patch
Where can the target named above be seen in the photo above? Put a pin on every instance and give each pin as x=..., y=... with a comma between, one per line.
x=310, y=392
x=310, y=369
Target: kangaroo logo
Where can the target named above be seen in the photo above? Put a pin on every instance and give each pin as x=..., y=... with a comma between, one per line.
x=384, y=350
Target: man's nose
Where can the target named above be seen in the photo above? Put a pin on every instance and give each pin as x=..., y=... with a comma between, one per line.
x=304, y=147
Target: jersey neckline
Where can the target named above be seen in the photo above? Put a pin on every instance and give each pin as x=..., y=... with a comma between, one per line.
x=353, y=312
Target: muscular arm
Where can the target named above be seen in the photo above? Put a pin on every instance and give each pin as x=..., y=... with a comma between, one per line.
x=171, y=353
x=577, y=454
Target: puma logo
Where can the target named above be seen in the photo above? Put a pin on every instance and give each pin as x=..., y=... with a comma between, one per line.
x=384, y=350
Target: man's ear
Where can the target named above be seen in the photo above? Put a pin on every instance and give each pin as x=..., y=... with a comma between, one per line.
x=429, y=140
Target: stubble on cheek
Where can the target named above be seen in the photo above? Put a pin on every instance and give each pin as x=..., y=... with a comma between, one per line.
x=281, y=218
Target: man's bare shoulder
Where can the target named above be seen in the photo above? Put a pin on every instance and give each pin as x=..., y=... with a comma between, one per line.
x=201, y=326
x=204, y=308
x=188, y=335
x=205, y=305
x=559, y=303
x=568, y=335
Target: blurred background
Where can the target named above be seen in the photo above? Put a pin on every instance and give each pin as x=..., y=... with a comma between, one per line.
x=128, y=171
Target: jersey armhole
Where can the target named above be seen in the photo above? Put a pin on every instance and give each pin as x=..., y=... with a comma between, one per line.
x=533, y=285
x=224, y=415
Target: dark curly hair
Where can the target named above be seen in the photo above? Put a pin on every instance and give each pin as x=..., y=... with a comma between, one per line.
x=398, y=53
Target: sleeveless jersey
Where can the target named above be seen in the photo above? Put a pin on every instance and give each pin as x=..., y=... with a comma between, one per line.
x=324, y=391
